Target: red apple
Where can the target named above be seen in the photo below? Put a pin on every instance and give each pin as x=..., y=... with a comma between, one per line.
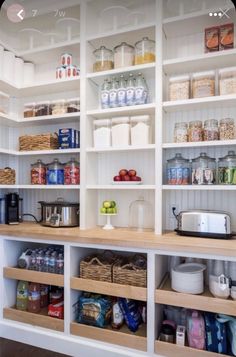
x=117, y=178
x=132, y=173
x=126, y=178
x=123, y=172
x=138, y=178
x=133, y=178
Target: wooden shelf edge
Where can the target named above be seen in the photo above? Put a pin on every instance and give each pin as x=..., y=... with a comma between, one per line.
x=112, y=289
x=33, y=319
x=204, y=302
x=33, y=276
x=126, y=339
x=169, y=350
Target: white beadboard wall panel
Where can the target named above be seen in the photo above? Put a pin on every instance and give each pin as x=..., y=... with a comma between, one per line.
x=4, y=137
x=177, y=47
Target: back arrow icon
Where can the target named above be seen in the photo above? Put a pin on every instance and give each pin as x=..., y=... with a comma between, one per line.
x=20, y=14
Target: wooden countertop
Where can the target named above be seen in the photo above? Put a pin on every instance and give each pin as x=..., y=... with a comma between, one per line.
x=122, y=238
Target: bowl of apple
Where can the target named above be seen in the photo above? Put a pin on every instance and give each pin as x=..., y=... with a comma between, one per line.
x=108, y=209
x=127, y=177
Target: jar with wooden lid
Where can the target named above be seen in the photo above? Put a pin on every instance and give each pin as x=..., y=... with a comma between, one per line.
x=181, y=132
x=195, y=131
x=211, y=130
x=104, y=59
x=203, y=84
x=227, y=81
x=144, y=51
x=179, y=87
x=123, y=55
x=227, y=129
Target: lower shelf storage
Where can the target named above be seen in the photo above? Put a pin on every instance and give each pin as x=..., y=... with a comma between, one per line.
x=170, y=350
x=41, y=319
x=123, y=337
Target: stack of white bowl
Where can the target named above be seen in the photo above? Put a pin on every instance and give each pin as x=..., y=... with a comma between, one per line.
x=188, y=278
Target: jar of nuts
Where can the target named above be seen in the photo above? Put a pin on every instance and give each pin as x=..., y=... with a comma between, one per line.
x=179, y=87
x=195, y=131
x=227, y=129
x=181, y=133
x=211, y=131
x=203, y=84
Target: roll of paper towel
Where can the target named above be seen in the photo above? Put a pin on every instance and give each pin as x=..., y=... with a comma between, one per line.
x=8, y=66
x=19, y=71
x=1, y=60
x=28, y=73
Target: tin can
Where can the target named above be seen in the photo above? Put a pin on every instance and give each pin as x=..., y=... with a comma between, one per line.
x=71, y=71
x=66, y=59
x=61, y=73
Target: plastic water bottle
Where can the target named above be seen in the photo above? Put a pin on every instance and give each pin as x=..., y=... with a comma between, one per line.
x=39, y=260
x=121, y=93
x=60, y=264
x=140, y=96
x=113, y=94
x=146, y=91
x=46, y=262
x=52, y=263
x=105, y=94
x=33, y=265
x=130, y=91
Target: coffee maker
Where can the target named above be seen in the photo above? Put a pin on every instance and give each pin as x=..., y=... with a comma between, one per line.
x=12, y=204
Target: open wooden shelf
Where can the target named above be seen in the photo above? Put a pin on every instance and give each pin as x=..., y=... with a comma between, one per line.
x=33, y=276
x=112, y=289
x=169, y=350
x=123, y=337
x=41, y=319
x=204, y=302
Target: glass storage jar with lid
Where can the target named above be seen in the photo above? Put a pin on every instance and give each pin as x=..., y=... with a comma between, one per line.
x=178, y=170
x=144, y=51
x=227, y=81
x=72, y=172
x=141, y=216
x=140, y=130
x=203, y=84
x=43, y=108
x=120, y=131
x=4, y=103
x=211, y=130
x=123, y=55
x=58, y=107
x=227, y=169
x=203, y=170
x=73, y=105
x=227, y=129
x=102, y=133
x=104, y=59
x=38, y=173
x=181, y=132
x=179, y=87
x=29, y=110
x=55, y=173
x=195, y=131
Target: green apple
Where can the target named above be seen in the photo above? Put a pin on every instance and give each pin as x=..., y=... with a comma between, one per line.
x=110, y=210
x=103, y=210
x=113, y=204
x=115, y=210
x=107, y=204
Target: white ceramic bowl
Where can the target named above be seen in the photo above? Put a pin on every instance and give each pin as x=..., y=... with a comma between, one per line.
x=188, y=278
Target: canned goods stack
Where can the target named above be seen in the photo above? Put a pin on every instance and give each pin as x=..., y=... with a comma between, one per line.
x=67, y=70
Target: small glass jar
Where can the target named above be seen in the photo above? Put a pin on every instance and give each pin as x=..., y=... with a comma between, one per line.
x=72, y=172
x=195, y=131
x=58, y=107
x=123, y=55
x=140, y=130
x=144, y=51
x=178, y=171
x=203, y=84
x=73, y=105
x=120, y=131
x=29, y=110
x=203, y=170
x=181, y=132
x=179, y=87
x=104, y=59
x=227, y=81
x=211, y=130
x=227, y=129
x=102, y=133
x=227, y=169
x=42, y=109
x=55, y=173
x=38, y=173
x=4, y=103
x=141, y=215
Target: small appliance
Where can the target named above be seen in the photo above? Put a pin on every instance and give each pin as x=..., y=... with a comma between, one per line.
x=12, y=204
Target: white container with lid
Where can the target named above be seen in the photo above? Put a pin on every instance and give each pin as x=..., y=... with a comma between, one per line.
x=123, y=55
x=102, y=133
x=58, y=107
x=179, y=87
x=120, y=131
x=4, y=103
x=203, y=84
x=227, y=81
x=140, y=130
x=8, y=66
x=19, y=71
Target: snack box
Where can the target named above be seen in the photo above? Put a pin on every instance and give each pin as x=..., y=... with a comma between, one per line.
x=212, y=39
x=226, y=36
x=69, y=138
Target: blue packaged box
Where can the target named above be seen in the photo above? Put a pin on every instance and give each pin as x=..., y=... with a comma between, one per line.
x=66, y=138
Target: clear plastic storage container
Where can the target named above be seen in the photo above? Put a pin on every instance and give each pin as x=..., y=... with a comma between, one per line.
x=120, y=131
x=140, y=130
x=227, y=169
x=4, y=103
x=104, y=59
x=195, y=131
x=102, y=133
x=181, y=132
x=29, y=110
x=145, y=51
x=141, y=216
x=227, y=129
x=227, y=81
x=211, y=130
x=123, y=55
x=43, y=108
x=38, y=173
x=203, y=170
x=73, y=105
x=178, y=171
x=179, y=87
x=58, y=107
x=203, y=84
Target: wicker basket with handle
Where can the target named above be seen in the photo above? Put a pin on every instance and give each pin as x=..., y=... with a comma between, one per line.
x=47, y=141
x=7, y=176
x=128, y=273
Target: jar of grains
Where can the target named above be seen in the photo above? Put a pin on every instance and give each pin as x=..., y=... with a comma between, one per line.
x=203, y=84
x=227, y=129
x=195, y=131
x=104, y=59
x=227, y=80
x=181, y=133
x=211, y=130
x=179, y=87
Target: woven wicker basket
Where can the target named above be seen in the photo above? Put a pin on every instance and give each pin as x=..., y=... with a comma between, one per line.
x=95, y=268
x=38, y=142
x=7, y=176
x=128, y=274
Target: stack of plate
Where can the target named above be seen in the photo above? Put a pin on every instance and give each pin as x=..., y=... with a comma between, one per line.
x=188, y=278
